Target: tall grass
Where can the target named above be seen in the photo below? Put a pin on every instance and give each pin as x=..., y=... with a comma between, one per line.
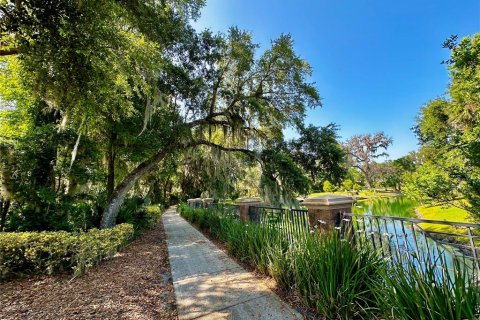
x=335, y=277
x=427, y=292
x=343, y=281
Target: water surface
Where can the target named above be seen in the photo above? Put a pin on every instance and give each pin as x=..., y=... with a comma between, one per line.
x=399, y=206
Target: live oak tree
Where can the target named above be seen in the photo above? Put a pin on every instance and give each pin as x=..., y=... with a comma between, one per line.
x=364, y=149
x=221, y=85
x=319, y=153
x=134, y=77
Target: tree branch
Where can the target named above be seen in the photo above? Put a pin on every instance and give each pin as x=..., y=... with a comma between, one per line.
x=219, y=147
x=8, y=52
x=207, y=120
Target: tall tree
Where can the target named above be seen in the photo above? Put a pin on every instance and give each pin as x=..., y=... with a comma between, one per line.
x=223, y=86
x=364, y=149
x=448, y=130
x=319, y=153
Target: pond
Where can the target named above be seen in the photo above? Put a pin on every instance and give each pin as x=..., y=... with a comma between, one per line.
x=404, y=238
x=399, y=206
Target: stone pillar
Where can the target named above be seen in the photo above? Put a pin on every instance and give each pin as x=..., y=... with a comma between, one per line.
x=195, y=203
x=325, y=212
x=245, y=204
x=207, y=202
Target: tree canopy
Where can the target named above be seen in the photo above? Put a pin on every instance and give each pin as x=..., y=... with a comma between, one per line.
x=100, y=96
x=449, y=132
x=319, y=153
x=363, y=149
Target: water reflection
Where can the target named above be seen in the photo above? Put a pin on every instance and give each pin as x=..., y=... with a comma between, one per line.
x=399, y=206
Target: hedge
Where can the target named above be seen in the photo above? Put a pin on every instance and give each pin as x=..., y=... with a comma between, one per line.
x=29, y=253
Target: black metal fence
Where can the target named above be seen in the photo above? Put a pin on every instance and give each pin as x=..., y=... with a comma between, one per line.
x=421, y=241
x=400, y=240
x=226, y=209
x=287, y=221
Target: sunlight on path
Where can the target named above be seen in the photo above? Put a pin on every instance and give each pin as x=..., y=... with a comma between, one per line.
x=210, y=285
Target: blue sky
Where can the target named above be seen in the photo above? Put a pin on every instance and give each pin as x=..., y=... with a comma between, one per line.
x=375, y=62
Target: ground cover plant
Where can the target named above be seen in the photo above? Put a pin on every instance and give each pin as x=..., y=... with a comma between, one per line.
x=340, y=280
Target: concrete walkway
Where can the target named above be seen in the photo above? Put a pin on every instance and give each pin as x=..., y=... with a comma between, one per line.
x=210, y=285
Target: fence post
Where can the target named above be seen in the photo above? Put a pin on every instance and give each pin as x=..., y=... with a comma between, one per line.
x=245, y=204
x=326, y=212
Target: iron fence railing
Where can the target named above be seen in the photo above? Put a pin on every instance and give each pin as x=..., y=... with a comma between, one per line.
x=226, y=209
x=432, y=242
x=399, y=240
x=287, y=221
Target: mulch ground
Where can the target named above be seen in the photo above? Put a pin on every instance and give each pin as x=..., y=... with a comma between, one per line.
x=135, y=284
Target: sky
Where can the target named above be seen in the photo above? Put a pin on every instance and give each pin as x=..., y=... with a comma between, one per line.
x=375, y=62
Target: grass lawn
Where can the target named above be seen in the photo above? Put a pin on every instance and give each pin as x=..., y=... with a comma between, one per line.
x=362, y=194
x=444, y=213
x=441, y=213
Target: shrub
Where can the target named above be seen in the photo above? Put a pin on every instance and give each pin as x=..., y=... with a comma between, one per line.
x=67, y=213
x=328, y=186
x=28, y=253
x=347, y=185
x=141, y=217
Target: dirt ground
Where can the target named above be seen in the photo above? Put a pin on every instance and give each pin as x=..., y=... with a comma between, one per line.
x=135, y=284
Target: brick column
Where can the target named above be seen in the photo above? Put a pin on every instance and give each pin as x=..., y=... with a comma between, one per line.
x=325, y=212
x=245, y=204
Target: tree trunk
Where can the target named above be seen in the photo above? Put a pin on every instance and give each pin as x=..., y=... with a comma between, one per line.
x=368, y=176
x=111, y=167
x=118, y=196
x=4, y=207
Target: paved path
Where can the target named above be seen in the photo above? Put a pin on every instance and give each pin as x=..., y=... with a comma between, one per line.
x=210, y=285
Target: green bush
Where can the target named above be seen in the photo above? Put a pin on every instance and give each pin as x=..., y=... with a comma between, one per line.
x=29, y=253
x=328, y=186
x=347, y=185
x=140, y=216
